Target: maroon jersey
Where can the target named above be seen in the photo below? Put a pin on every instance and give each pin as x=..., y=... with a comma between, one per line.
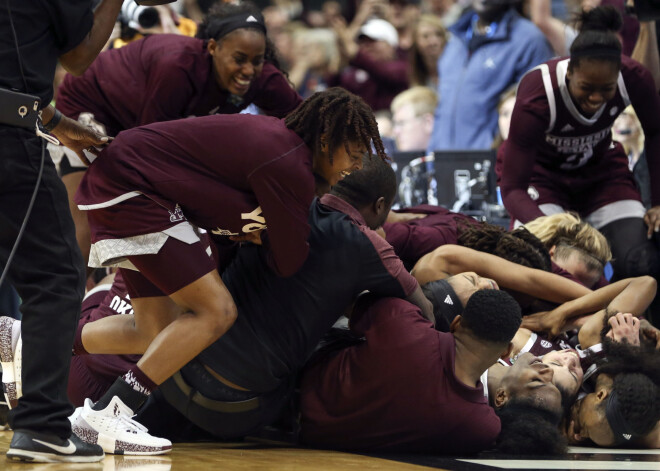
x=164, y=77
x=539, y=345
x=397, y=391
x=547, y=125
x=415, y=238
x=228, y=174
x=376, y=82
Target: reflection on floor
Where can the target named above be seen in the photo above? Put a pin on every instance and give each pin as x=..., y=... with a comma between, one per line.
x=258, y=455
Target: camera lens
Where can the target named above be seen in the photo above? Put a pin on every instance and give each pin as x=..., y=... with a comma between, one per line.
x=148, y=18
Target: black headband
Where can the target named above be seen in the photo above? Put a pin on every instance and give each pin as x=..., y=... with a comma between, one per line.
x=446, y=304
x=597, y=52
x=622, y=431
x=225, y=26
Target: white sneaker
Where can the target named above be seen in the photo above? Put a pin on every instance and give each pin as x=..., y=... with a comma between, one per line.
x=115, y=431
x=11, y=359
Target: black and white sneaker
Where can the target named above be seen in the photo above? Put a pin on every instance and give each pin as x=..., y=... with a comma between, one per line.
x=41, y=448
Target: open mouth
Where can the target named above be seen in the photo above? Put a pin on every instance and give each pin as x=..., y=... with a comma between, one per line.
x=344, y=173
x=589, y=108
x=242, y=83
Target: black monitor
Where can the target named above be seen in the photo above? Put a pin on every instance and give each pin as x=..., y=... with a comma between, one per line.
x=405, y=195
x=456, y=179
x=465, y=179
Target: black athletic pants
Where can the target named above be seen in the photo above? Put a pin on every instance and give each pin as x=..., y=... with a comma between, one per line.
x=633, y=254
x=221, y=413
x=47, y=274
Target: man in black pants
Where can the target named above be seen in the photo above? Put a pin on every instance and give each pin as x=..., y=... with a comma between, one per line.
x=47, y=267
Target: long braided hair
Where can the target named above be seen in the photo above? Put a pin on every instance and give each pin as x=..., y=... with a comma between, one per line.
x=519, y=246
x=338, y=115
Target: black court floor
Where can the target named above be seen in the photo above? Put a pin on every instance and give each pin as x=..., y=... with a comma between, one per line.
x=578, y=458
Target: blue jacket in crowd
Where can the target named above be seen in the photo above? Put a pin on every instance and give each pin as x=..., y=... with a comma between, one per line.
x=474, y=70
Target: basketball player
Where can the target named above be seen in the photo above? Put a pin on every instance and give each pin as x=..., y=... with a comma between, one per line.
x=560, y=156
x=229, y=66
x=228, y=174
x=275, y=331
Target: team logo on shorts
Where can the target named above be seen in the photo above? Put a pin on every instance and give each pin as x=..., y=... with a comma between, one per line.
x=533, y=193
x=177, y=214
x=546, y=344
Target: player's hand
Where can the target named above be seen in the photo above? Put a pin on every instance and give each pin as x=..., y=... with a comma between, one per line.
x=79, y=138
x=624, y=328
x=650, y=332
x=652, y=220
x=393, y=216
x=550, y=322
x=253, y=237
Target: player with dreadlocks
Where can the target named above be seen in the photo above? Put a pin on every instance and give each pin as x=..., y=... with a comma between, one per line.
x=417, y=231
x=332, y=119
x=228, y=174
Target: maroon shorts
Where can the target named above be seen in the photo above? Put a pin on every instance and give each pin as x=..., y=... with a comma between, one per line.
x=175, y=266
x=589, y=188
x=92, y=375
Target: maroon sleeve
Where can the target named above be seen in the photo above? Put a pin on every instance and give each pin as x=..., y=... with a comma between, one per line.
x=276, y=97
x=393, y=72
x=168, y=89
x=646, y=101
x=285, y=190
x=412, y=242
x=392, y=264
x=528, y=125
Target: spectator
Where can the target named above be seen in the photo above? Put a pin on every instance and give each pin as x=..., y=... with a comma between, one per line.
x=491, y=48
x=429, y=39
x=316, y=60
x=412, y=118
x=403, y=15
x=375, y=73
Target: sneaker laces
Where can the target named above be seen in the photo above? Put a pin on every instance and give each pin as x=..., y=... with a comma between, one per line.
x=131, y=425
